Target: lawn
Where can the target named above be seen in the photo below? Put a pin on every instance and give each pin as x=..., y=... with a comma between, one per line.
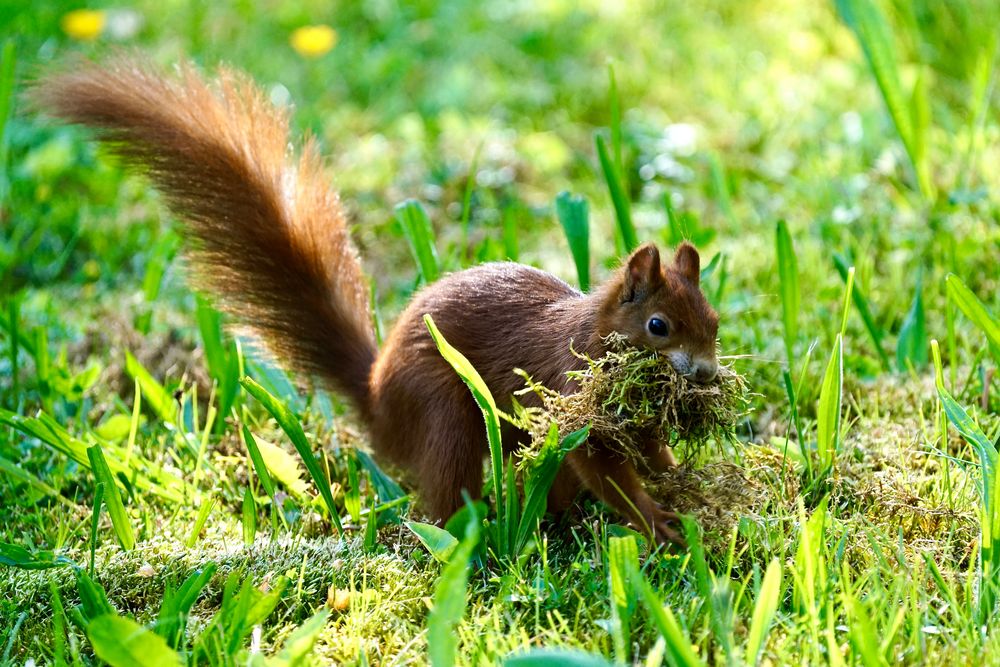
x=169, y=495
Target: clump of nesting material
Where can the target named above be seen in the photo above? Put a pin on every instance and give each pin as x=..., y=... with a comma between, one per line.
x=631, y=397
x=717, y=495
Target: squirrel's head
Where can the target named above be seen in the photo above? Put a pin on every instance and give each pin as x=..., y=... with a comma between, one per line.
x=664, y=309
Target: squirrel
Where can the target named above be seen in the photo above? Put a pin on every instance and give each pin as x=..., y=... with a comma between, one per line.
x=270, y=242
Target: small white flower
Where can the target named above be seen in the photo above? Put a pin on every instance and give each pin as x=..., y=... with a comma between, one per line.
x=123, y=24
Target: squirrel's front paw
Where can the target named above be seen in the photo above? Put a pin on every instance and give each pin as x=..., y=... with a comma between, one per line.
x=664, y=526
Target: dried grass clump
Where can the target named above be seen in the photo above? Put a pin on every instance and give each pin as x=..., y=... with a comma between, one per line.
x=631, y=397
x=717, y=495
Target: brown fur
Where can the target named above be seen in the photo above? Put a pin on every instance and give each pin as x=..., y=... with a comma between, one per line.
x=272, y=245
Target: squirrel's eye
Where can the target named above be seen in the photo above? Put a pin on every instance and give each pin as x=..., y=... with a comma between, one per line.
x=657, y=327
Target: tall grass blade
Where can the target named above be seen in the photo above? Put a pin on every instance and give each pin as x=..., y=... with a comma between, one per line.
x=911, y=348
x=573, y=216
x=95, y=523
x=623, y=561
x=974, y=309
x=449, y=601
x=861, y=303
x=989, y=557
x=619, y=197
x=293, y=429
x=828, y=409
x=470, y=187
x=678, y=645
x=788, y=275
x=484, y=399
x=420, y=235
x=116, y=509
x=352, y=494
x=810, y=562
x=204, y=510
x=8, y=61
x=263, y=474
x=176, y=606
x=539, y=480
x=720, y=187
x=221, y=357
x=614, y=102
x=764, y=609
x=249, y=518
x=873, y=34
x=158, y=398
x=862, y=632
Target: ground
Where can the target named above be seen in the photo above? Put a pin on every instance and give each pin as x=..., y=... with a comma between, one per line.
x=848, y=520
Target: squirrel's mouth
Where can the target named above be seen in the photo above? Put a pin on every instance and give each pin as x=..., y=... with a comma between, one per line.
x=695, y=369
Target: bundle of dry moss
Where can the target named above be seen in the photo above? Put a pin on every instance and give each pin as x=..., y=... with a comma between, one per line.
x=631, y=397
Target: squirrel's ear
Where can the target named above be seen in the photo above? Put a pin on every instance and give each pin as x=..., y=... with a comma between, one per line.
x=643, y=271
x=687, y=262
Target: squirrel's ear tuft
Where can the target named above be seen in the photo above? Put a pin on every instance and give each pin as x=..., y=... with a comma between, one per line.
x=687, y=262
x=643, y=271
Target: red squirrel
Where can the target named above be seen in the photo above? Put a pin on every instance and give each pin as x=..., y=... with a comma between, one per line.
x=271, y=244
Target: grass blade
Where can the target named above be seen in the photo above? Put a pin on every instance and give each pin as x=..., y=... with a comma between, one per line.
x=221, y=357
x=974, y=309
x=873, y=34
x=970, y=431
x=205, y=508
x=911, y=348
x=352, y=494
x=788, y=276
x=420, y=235
x=263, y=474
x=484, y=399
x=8, y=60
x=828, y=409
x=619, y=198
x=156, y=396
x=438, y=541
x=113, y=500
x=540, y=479
x=763, y=612
x=449, y=601
x=95, y=522
x=249, y=518
x=573, y=216
x=861, y=303
x=614, y=102
x=679, y=652
x=121, y=642
x=623, y=561
x=13, y=555
x=293, y=429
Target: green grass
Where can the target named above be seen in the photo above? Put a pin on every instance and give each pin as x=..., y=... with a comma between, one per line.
x=159, y=479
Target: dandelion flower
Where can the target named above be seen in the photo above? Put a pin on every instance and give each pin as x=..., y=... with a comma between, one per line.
x=83, y=24
x=312, y=41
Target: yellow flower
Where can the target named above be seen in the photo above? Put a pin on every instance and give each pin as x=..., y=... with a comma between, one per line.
x=83, y=24
x=91, y=270
x=312, y=41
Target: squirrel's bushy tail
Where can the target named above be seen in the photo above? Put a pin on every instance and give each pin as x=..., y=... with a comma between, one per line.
x=270, y=239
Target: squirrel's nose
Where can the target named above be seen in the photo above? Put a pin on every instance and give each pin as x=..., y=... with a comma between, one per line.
x=705, y=370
